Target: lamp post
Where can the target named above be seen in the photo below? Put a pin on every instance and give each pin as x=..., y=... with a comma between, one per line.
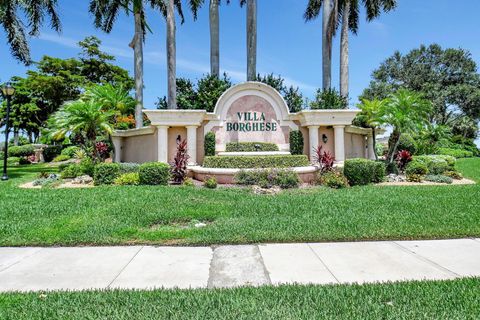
x=8, y=91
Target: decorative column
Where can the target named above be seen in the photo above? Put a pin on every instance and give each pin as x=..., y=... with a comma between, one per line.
x=192, y=145
x=117, y=149
x=313, y=140
x=162, y=143
x=339, y=136
x=370, y=149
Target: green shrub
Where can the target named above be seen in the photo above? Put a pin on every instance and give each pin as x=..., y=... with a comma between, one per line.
x=128, y=167
x=23, y=160
x=250, y=146
x=267, y=178
x=453, y=174
x=21, y=151
x=457, y=153
x=332, y=179
x=243, y=162
x=71, y=171
x=406, y=143
x=60, y=158
x=70, y=151
x=210, y=182
x=328, y=99
x=391, y=168
x=13, y=160
x=188, y=182
x=438, y=178
x=437, y=164
x=363, y=171
x=154, y=173
x=87, y=166
x=209, y=144
x=2, y=154
x=128, y=179
x=105, y=173
x=296, y=142
x=51, y=152
x=416, y=170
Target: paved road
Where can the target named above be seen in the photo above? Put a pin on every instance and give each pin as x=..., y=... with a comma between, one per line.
x=147, y=267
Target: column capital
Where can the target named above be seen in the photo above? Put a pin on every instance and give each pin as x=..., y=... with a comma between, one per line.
x=313, y=127
x=339, y=126
x=192, y=126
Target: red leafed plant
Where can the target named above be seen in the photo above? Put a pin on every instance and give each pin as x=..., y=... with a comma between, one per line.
x=179, y=164
x=101, y=149
x=324, y=159
x=403, y=158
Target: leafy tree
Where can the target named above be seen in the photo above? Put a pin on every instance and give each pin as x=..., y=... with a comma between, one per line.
x=448, y=78
x=405, y=111
x=294, y=99
x=34, y=12
x=371, y=117
x=328, y=99
x=465, y=127
x=112, y=98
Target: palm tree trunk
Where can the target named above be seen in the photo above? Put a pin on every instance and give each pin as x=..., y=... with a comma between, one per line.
x=251, y=40
x=171, y=56
x=138, y=61
x=344, y=51
x=374, y=137
x=326, y=45
x=214, y=39
x=394, y=149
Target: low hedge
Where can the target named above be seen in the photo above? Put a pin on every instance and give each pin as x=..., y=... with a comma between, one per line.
x=457, y=153
x=154, y=173
x=245, y=162
x=105, y=173
x=250, y=146
x=363, y=171
x=21, y=151
x=267, y=178
x=296, y=142
x=437, y=164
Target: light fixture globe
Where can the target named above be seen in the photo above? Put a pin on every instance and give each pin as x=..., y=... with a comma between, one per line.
x=8, y=90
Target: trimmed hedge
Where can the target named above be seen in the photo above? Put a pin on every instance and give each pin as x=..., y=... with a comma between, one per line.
x=363, y=171
x=457, y=153
x=105, y=173
x=296, y=142
x=250, y=146
x=51, y=152
x=245, y=162
x=21, y=151
x=154, y=173
x=267, y=178
x=129, y=167
x=437, y=164
x=209, y=144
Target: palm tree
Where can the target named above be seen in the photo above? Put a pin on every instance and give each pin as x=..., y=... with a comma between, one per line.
x=406, y=111
x=34, y=12
x=251, y=38
x=348, y=12
x=112, y=98
x=372, y=115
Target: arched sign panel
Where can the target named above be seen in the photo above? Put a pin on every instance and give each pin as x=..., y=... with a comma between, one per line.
x=251, y=112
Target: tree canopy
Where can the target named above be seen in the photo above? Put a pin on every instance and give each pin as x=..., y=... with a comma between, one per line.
x=446, y=77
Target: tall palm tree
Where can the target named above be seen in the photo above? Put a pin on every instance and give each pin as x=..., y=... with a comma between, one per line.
x=348, y=12
x=34, y=12
x=251, y=38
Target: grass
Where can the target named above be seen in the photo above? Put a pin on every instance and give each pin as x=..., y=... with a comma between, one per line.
x=470, y=167
x=150, y=214
x=456, y=299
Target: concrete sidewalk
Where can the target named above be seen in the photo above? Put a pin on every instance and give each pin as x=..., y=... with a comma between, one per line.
x=147, y=267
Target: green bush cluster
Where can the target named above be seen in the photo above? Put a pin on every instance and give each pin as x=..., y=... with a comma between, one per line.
x=105, y=173
x=128, y=167
x=332, y=179
x=21, y=151
x=13, y=160
x=453, y=174
x=210, y=182
x=363, y=171
x=457, y=153
x=70, y=151
x=71, y=171
x=438, y=178
x=128, y=179
x=416, y=171
x=296, y=142
x=250, y=146
x=60, y=158
x=154, y=173
x=209, y=144
x=406, y=143
x=268, y=178
x=245, y=162
x=51, y=152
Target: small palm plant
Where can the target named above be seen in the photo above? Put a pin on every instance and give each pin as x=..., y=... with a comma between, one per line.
x=179, y=165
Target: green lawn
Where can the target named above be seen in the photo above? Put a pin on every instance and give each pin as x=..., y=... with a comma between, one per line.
x=143, y=214
x=458, y=299
x=470, y=168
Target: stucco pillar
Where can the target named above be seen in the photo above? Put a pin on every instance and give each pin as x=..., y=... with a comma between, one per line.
x=192, y=145
x=313, y=140
x=117, y=149
x=162, y=143
x=370, y=149
x=339, y=136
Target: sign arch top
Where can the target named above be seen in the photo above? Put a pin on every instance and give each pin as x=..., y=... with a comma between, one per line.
x=252, y=88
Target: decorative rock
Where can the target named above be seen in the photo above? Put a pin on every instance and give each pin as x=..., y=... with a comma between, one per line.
x=271, y=191
x=200, y=225
x=396, y=178
x=86, y=179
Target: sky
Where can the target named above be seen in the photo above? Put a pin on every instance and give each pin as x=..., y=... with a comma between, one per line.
x=287, y=45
